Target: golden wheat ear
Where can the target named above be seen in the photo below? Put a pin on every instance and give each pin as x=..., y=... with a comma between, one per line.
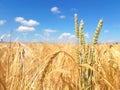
x=97, y=32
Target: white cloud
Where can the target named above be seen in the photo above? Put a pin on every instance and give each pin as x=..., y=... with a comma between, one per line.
x=55, y=10
x=50, y=30
x=25, y=22
x=2, y=22
x=62, y=17
x=64, y=35
x=31, y=23
x=26, y=26
x=67, y=37
x=86, y=35
x=106, y=31
x=19, y=19
x=25, y=29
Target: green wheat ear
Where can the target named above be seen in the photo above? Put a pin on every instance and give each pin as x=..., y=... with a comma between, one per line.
x=76, y=25
x=96, y=35
x=81, y=33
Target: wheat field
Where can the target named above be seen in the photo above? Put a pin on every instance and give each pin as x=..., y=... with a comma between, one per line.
x=68, y=66
x=39, y=66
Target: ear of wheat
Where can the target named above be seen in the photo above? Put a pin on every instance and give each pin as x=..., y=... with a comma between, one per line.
x=97, y=32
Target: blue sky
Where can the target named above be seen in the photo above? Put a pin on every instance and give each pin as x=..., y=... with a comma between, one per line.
x=53, y=20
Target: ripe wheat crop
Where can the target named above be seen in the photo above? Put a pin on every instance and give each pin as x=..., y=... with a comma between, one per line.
x=55, y=67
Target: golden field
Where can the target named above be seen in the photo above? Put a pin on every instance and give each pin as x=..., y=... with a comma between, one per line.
x=38, y=66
